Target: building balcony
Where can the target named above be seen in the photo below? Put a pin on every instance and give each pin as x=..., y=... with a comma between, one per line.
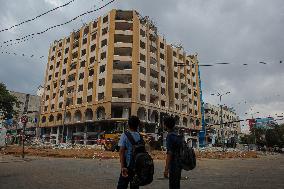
x=116, y=99
x=121, y=85
x=125, y=71
x=123, y=32
x=122, y=58
x=121, y=44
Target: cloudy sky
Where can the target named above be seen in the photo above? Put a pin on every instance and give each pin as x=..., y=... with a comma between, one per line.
x=236, y=31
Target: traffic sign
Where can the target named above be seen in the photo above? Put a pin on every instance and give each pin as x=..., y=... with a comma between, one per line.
x=24, y=119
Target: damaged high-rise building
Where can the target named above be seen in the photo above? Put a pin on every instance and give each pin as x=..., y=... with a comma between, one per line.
x=114, y=67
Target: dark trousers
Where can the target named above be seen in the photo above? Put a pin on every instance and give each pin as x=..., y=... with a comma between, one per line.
x=174, y=178
x=124, y=181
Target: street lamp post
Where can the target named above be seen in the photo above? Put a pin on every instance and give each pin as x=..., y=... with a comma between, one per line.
x=221, y=117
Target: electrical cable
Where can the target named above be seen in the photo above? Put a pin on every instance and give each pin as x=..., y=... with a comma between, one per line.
x=32, y=19
x=58, y=25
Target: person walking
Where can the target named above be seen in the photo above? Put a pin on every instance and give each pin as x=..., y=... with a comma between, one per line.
x=173, y=144
x=125, y=154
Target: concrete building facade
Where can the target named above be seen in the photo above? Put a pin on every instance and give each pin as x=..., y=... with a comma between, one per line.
x=32, y=104
x=231, y=126
x=114, y=67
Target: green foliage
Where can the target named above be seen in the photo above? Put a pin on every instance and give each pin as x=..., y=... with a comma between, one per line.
x=275, y=136
x=7, y=102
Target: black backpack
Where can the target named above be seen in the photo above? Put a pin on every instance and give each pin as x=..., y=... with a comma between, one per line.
x=186, y=156
x=141, y=162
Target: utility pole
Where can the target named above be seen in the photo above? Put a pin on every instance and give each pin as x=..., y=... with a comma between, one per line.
x=24, y=120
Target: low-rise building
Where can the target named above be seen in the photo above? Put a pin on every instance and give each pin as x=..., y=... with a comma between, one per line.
x=230, y=129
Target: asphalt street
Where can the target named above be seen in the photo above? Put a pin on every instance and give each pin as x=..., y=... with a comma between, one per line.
x=58, y=173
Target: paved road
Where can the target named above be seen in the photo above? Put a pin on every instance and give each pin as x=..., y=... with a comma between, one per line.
x=53, y=173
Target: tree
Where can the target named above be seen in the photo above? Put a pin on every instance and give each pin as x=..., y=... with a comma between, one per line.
x=275, y=136
x=7, y=103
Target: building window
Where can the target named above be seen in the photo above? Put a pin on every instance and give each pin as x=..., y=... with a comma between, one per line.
x=53, y=95
x=176, y=74
x=68, y=40
x=65, y=60
x=83, y=63
x=94, y=36
x=80, y=88
x=85, y=41
x=60, y=105
x=56, y=74
x=143, y=70
x=142, y=33
x=176, y=95
x=57, y=64
x=92, y=60
x=163, y=79
x=52, y=106
x=102, y=68
x=63, y=71
x=142, y=97
x=162, y=56
x=53, y=49
x=142, y=57
x=90, y=85
x=49, y=77
x=103, y=55
x=66, y=50
x=104, y=31
x=45, y=108
x=51, y=67
x=81, y=76
x=61, y=93
x=105, y=19
x=54, y=85
x=177, y=107
x=176, y=85
x=58, y=54
x=163, y=91
x=89, y=98
x=189, y=91
x=91, y=72
x=95, y=24
x=162, y=68
x=79, y=100
x=101, y=96
x=47, y=97
x=142, y=45
x=174, y=54
x=162, y=46
x=163, y=103
x=48, y=87
x=71, y=78
x=102, y=82
x=104, y=43
x=93, y=47
x=83, y=52
x=143, y=83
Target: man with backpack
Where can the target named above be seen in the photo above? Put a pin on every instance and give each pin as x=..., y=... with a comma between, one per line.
x=137, y=166
x=179, y=155
x=173, y=167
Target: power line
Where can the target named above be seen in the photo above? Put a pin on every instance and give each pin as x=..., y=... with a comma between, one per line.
x=58, y=25
x=32, y=19
x=21, y=54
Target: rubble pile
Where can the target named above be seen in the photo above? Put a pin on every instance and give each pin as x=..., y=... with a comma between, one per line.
x=94, y=152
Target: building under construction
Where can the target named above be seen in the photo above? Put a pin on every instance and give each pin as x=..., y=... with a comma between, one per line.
x=116, y=66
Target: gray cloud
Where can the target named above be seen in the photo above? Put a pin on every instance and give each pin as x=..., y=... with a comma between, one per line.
x=239, y=32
